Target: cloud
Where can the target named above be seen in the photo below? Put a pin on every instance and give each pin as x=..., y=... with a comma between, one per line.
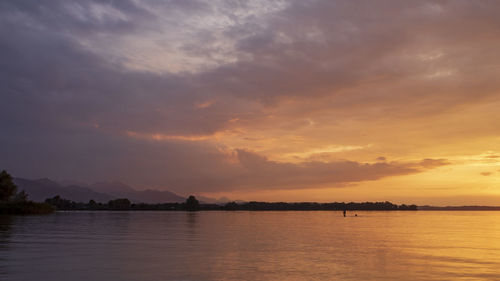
x=433, y=163
x=194, y=95
x=77, y=57
x=259, y=172
x=486, y=174
x=189, y=167
x=492, y=156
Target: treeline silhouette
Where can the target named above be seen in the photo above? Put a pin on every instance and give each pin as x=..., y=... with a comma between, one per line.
x=192, y=204
x=306, y=206
x=13, y=202
x=460, y=208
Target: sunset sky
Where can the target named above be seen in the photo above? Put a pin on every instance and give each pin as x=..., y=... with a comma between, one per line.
x=256, y=100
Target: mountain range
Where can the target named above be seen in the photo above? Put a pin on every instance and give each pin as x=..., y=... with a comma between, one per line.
x=40, y=189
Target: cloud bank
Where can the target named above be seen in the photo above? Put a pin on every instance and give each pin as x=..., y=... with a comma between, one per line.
x=213, y=95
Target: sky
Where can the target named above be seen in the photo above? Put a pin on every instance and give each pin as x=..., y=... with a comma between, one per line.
x=256, y=100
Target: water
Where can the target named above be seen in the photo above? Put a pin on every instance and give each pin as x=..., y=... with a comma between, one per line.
x=422, y=245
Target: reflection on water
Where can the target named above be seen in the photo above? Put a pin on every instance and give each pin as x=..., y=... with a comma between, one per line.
x=251, y=246
x=5, y=225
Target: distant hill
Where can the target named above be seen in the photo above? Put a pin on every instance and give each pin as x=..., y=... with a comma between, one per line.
x=121, y=190
x=220, y=201
x=112, y=187
x=41, y=189
x=209, y=200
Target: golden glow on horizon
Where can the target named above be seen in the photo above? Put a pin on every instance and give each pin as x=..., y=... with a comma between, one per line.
x=473, y=172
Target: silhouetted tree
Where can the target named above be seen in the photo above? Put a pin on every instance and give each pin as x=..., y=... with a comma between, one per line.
x=92, y=204
x=7, y=186
x=61, y=203
x=21, y=196
x=119, y=204
x=231, y=206
x=192, y=204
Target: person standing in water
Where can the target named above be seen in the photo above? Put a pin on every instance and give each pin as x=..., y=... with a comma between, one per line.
x=344, y=212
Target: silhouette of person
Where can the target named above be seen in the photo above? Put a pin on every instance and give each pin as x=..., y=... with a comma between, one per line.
x=344, y=212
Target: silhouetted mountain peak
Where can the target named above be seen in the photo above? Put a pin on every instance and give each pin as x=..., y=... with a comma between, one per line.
x=47, y=181
x=41, y=189
x=67, y=182
x=111, y=186
x=121, y=190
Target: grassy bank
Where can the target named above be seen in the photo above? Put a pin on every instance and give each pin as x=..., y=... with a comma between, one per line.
x=25, y=208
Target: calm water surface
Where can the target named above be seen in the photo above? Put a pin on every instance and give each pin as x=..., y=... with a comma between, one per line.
x=421, y=245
